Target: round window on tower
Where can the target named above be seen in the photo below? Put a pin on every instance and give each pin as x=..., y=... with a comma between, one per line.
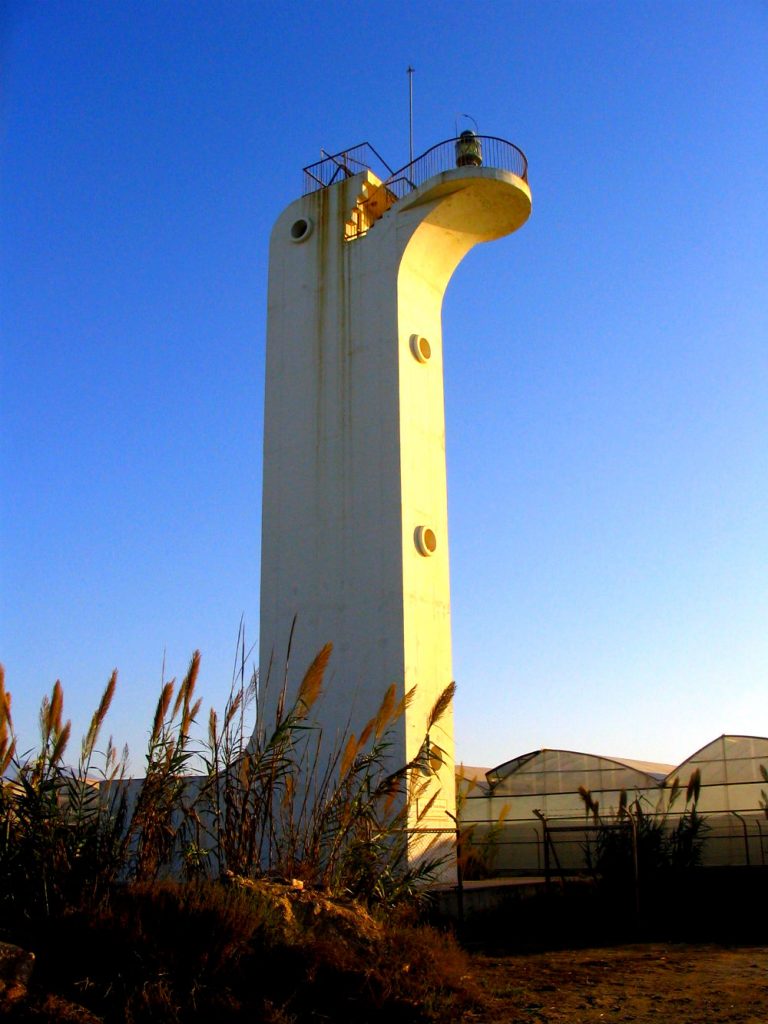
x=301, y=229
x=420, y=348
x=426, y=541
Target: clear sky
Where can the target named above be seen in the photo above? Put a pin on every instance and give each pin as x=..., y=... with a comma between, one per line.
x=606, y=367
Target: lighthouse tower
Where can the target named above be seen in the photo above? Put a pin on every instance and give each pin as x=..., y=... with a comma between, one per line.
x=355, y=524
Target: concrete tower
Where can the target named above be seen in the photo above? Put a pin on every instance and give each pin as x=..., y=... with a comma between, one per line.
x=355, y=527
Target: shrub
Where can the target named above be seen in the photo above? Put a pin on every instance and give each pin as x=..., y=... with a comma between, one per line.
x=198, y=952
x=646, y=850
x=91, y=866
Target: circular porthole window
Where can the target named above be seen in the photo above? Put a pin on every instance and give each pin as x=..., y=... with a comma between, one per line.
x=420, y=348
x=301, y=229
x=426, y=541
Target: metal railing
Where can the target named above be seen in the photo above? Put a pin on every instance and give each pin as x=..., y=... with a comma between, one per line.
x=491, y=152
x=488, y=151
x=730, y=839
x=337, y=166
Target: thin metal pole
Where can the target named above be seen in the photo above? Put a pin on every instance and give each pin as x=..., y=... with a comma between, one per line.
x=459, y=869
x=410, y=112
x=635, y=863
x=746, y=836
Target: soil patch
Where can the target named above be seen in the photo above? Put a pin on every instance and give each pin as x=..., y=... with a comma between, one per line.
x=644, y=984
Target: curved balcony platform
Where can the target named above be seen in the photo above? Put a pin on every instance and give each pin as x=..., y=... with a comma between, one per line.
x=451, y=161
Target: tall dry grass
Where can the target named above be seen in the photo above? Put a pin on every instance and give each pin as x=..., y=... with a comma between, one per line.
x=255, y=796
x=276, y=800
x=60, y=840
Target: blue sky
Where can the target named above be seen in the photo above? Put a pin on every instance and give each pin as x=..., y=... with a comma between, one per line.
x=606, y=367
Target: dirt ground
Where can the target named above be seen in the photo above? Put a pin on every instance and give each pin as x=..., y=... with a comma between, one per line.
x=663, y=984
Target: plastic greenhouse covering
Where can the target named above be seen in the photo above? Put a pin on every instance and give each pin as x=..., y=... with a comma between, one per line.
x=506, y=817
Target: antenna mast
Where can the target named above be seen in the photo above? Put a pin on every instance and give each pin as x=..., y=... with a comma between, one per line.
x=409, y=72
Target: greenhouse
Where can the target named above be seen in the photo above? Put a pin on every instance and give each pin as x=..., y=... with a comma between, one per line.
x=531, y=814
x=731, y=800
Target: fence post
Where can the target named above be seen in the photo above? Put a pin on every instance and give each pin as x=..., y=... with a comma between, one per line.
x=545, y=831
x=459, y=870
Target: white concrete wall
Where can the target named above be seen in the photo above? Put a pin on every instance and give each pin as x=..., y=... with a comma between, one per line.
x=354, y=447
